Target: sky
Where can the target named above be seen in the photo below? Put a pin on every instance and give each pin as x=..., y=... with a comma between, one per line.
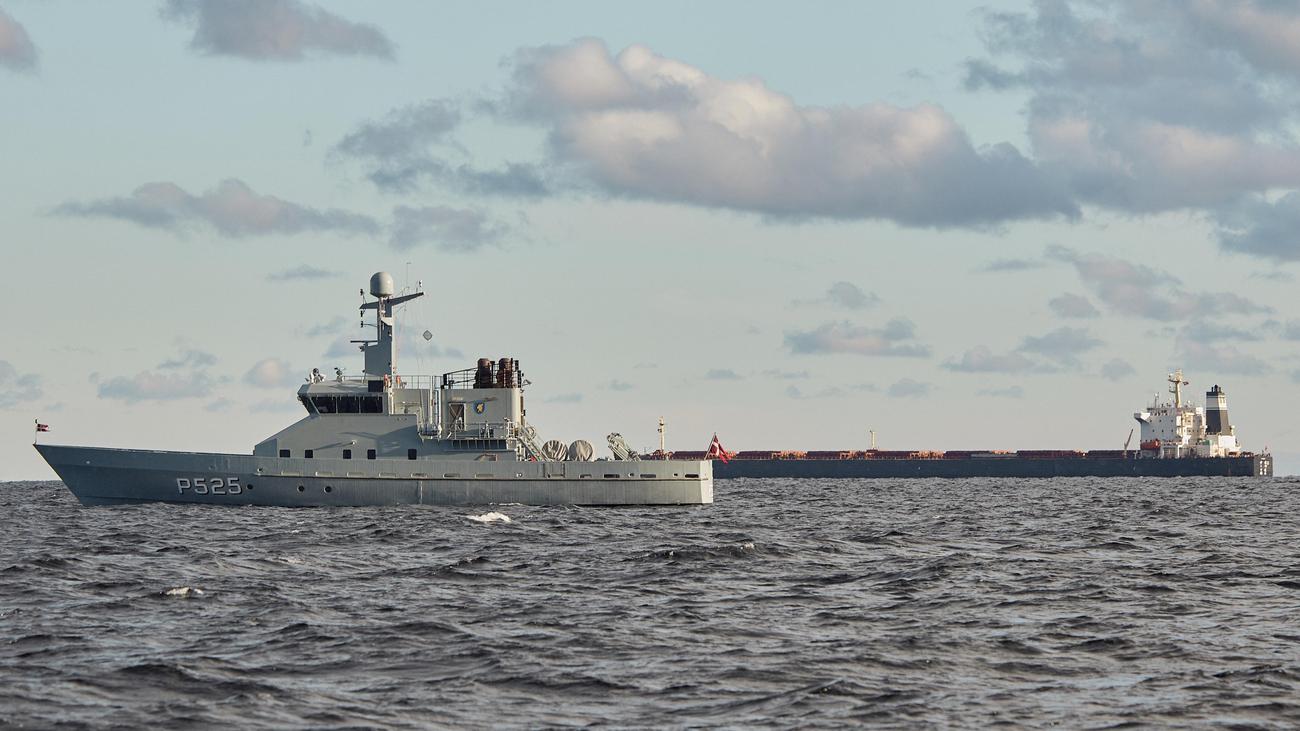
x=960, y=226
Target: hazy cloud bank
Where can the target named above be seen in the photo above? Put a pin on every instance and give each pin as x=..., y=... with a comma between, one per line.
x=897, y=338
x=17, y=52
x=15, y=387
x=274, y=30
x=232, y=209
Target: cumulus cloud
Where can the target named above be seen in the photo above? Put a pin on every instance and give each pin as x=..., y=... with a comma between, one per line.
x=1214, y=358
x=641, y=125
x=231, y=209
x=411, y=145
x=845, y=295
x=152, y=386
x=447, y=228
x=1256, y=226
x=1012, y=265
x=1063, y=345
x=15, y=387
x=1273, y=276
x=850, y=296
x=981, y=359
x=896, y=338
x=722, y=374
x=275, y=406
x=1117, y=369
x=404, y=134
x=302, y=272
x=513, y=179
x=795, y=392
x=786, y=375
x=336, y=325
x=1292, y=331
x=17, y=53
x=909, y=388
x=1141, y=291
x=1074, y=306
x=1161, y=105
x=1146, y=106
x=341, y=347
x=190, y=358
x=274, y=30
x=1214, y=332
x=272, y=373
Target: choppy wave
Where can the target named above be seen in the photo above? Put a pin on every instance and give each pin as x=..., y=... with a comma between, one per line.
x=963, y=603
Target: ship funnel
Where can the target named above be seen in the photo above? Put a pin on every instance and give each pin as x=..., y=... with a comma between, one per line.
x=381, y=284
x=1216, y=412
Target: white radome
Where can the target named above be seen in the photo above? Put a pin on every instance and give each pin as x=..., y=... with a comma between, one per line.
x=381, y=284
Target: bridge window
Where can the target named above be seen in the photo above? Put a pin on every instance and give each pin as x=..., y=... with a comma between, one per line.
x=410, y=453
x=347, y=454
x=348, y=404
x=284, y=453
x=308, y=453
x=370, y=454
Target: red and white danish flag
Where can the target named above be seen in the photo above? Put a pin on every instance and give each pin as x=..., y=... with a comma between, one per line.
x=716, y=451
x=42, y=427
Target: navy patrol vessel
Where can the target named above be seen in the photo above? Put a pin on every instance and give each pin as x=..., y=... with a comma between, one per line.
x=383, y=439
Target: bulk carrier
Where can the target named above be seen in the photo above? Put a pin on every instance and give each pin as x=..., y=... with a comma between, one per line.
x=1177, y=440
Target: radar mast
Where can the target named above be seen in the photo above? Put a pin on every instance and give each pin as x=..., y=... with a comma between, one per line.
x=1176, y=387
x=381, y=353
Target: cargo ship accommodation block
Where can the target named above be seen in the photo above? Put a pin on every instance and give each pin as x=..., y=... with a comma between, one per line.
x=1175, y=429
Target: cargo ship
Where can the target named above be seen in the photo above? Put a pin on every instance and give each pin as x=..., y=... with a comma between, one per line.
x=1177, y=439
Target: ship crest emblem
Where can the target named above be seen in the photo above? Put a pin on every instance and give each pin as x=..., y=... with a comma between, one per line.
x=479, y=406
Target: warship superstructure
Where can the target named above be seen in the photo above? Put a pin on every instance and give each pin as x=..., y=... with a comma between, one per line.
x=1177, y=439
x=381, y=438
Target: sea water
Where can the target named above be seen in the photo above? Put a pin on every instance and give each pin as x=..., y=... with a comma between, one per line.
x=898, y=603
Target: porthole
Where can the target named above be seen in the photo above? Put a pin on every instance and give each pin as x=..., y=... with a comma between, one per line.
x=328, y=488
x=249, y=487
x=301, y=488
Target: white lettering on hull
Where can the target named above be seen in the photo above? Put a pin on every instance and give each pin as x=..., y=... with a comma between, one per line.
x=209, y=485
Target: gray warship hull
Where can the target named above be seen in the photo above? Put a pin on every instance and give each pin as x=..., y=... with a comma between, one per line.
x=104, y=476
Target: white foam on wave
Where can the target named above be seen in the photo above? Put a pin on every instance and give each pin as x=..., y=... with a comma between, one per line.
x=184, y=591
x=493, y=517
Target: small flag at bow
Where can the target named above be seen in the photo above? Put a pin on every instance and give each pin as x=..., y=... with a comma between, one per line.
x=716, y=451
x=42, y=427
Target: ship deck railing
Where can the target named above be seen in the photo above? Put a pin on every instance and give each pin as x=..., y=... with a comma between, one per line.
x=400, y=381
x=468, y=378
